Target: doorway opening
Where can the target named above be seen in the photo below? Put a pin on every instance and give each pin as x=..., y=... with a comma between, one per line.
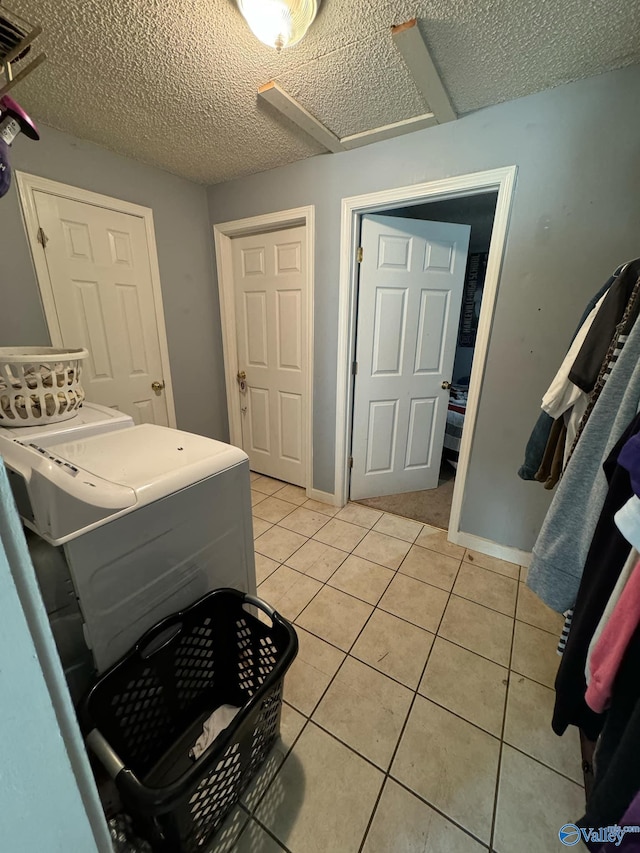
x=431, y=503
x=501, y=183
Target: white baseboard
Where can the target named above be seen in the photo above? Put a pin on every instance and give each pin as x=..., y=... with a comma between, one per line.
x=492, y=549
x=324, y=497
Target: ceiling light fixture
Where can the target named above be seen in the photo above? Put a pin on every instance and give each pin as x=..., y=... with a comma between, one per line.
x=279, y=23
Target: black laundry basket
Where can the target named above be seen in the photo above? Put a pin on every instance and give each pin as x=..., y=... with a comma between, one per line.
x=144, y=715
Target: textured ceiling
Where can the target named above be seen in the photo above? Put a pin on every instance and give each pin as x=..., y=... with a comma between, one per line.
x=173, y=82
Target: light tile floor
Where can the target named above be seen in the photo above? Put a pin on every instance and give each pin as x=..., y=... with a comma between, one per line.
x=417, y=713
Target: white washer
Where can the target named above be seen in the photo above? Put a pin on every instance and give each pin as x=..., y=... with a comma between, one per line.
x=135, y=524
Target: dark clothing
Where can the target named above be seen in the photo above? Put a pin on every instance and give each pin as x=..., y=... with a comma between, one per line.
x=630, y=459
x=553, y=458
x=539, y=437
x=630, y=841
x=605, y=559
x=623, y=330
x=586, y=367
x=616, y=758
x=535, y=448
x=5, y=168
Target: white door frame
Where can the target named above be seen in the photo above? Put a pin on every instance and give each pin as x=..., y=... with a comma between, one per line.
x=27, y=185
x=502, y=180
x=223, y=233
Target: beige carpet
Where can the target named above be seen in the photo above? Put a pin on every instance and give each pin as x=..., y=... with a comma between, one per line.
x=431, y=507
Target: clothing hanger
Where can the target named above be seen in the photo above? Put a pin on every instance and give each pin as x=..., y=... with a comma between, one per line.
x=624, y=266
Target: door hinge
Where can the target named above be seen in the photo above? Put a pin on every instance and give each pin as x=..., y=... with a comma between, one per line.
x=42, y=238
x=351, y=462
x=360, y=254
x=354, y=368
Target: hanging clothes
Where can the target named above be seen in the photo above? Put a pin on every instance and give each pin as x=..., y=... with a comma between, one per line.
x=631, y=841
x=625, y=574
x=620, y=338
x=617, y=766
x=628, y=521
x=584, y=554
x=630, y=459
x=562, y=394
x=539, y=437
x=606, y=654
x=553, y=458
x=629, y=318
x=589, y=359
x=566, y=629
x=562, y=546
x=604, y=562
x=586, y=367
x=621, y=615
x=567, y=403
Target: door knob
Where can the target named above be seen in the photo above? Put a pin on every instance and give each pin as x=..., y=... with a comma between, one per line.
x=446, y=385
x=242, y=376
x=157, y=387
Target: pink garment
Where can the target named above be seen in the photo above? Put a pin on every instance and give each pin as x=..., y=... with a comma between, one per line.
x=610, y=648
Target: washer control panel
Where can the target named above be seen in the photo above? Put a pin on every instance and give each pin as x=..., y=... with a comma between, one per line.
x=64, y=465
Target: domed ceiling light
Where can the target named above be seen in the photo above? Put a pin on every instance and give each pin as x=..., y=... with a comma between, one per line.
x=279, y=23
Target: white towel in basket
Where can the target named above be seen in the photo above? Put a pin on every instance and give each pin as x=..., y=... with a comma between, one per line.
x=217, y=722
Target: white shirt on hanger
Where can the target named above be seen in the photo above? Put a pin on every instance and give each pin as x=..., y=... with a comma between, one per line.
x=562, y=393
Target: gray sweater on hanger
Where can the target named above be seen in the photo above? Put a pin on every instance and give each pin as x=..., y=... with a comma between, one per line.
x=561, y=549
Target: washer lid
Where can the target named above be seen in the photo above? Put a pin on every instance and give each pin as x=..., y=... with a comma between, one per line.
x=152, y=460
x=90, y=420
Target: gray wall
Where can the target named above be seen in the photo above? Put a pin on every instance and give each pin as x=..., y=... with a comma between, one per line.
x=43, y=759
x=576, y=215
x=185, y=255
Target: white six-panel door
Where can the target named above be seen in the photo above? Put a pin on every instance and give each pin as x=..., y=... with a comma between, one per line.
x=100, y=274
x=270, y=301
x=410, y=293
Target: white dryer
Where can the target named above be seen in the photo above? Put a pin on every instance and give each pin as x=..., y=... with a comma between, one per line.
x=129, y=525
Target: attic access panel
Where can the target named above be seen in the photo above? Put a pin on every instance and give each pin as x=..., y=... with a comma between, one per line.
x=16, y=37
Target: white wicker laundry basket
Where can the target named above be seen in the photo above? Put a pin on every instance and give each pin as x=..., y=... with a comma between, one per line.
x=39, y=385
